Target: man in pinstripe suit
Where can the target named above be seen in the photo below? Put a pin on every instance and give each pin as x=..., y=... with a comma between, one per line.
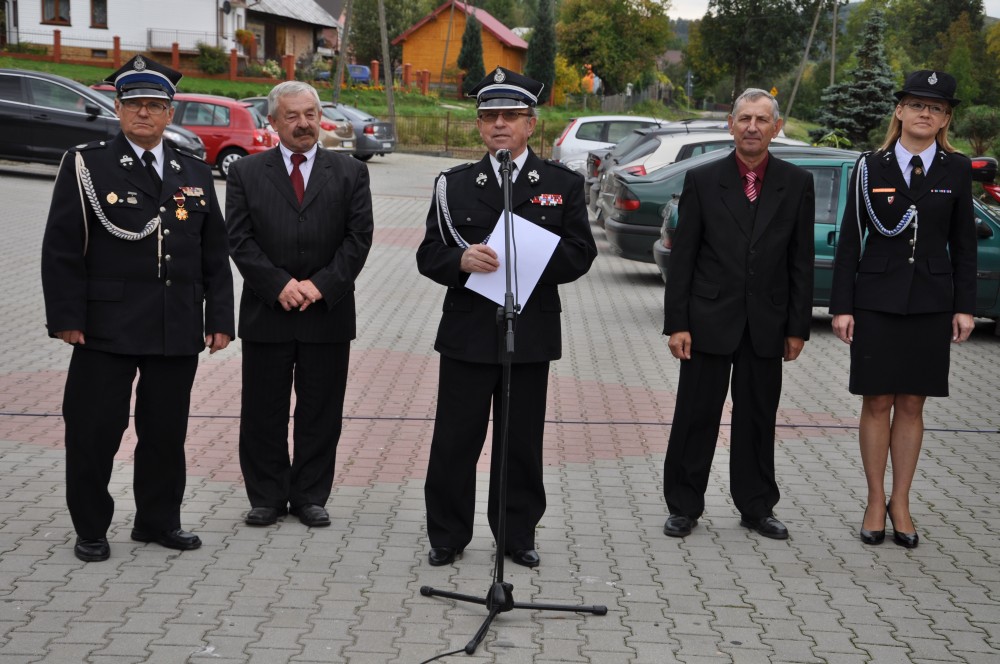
x=300, y=227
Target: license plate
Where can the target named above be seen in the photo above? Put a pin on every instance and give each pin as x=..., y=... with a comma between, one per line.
x=387, y=145
x=348, y=144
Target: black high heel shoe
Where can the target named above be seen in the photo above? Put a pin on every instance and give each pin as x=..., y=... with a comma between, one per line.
x=908, y=540
x=872, y=536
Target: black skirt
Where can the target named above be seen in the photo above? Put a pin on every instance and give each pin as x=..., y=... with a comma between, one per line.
x=900, y=354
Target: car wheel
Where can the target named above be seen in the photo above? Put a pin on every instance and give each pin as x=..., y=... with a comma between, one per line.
x=363, y=157
x=226, y=158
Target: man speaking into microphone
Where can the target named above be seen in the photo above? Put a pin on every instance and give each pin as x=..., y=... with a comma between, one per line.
x=466, y=205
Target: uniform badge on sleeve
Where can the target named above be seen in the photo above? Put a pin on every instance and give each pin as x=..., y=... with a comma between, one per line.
x=548, y=200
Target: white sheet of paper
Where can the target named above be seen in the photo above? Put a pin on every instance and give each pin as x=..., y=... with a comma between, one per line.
x=532, y=249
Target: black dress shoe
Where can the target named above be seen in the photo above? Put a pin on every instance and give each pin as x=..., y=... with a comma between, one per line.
x=872, y=536
x=178, y=539
x=265, y=516
x=678, y=525
x=312, y=516
x=442, y=555
x=908, y=540
x=526, y=557
x=767, y=526
x=92, y=550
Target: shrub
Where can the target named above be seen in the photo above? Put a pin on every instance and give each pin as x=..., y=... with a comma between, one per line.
x=212, y=59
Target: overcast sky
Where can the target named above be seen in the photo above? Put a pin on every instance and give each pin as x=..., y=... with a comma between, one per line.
x=696, y=8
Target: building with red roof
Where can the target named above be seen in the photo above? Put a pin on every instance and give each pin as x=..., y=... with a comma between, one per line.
x=437, y=39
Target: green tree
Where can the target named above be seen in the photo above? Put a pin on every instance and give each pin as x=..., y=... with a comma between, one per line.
x=756, y=40
x=705, y=70
x=981, y=125
x=619, y=38
x=366, y=39
x=470, y=58
x=860, y=103
x=541, y=64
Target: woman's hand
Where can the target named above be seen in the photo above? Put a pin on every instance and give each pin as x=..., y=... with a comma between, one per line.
x=961, y=327
x=843, y=327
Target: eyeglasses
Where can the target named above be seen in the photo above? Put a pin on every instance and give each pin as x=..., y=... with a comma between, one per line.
x=154, y=108
x=489, y=117
x=933, y=109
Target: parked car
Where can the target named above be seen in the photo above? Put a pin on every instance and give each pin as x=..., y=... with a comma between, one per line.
x=335, y=129
x=43, y=115
x=359, y=74
x=667, y=149
x=592, y=132
x=831, y=170
x=985, y=171
x=371, y=136
x=641, y=141
x=230, y=129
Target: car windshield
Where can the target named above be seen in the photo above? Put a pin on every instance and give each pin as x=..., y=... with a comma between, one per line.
x=331, y=113
x=259, y=120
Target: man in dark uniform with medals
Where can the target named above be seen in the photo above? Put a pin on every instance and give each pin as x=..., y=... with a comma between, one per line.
x=135, y=272
x=468, y=202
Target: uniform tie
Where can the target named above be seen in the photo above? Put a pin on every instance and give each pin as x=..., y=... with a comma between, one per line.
x=150, y=159
x=750, y=188
x=298, y=184
x=917, y=174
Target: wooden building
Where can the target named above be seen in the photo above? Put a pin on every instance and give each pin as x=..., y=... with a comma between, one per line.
x=437, y=39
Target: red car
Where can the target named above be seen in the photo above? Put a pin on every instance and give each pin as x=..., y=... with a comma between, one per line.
x=230, y=129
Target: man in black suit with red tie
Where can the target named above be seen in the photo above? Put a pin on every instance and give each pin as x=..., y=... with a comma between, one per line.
x=300, y=228
x=738, y=300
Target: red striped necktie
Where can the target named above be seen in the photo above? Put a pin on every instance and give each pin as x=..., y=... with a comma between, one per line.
x=750, y=188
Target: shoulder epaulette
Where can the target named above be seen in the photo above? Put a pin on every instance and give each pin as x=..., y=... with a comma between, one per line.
x=185, y=153
x=93, y=145
x=460, y=167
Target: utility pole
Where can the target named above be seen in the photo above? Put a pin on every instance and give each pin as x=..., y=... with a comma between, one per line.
x=386, y=62
x=805, y=58
x=447, y=44
x=833, y=43
x=342, y=60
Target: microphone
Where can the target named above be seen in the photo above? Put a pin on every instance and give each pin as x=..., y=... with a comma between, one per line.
x=503, y=156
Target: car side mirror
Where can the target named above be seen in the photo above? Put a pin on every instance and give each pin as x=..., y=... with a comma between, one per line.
x=93, y=110
x=983, y=230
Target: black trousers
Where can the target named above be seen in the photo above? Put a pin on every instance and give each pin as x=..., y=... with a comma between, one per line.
x=318, y=373
x=466, y=393
x=96, y=411
x=701, y=395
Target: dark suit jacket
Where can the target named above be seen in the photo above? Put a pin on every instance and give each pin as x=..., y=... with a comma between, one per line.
x=273, y=239
x=943, y=274
x=468, y=330
x=112, y=290
x=730, y=269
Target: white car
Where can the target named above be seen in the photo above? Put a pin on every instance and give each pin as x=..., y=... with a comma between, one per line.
x=669, y=148
x=593, y=132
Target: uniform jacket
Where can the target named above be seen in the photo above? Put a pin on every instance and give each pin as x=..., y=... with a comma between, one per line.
x=468, y=330
x=730, y=269
x=942, y=276
x=273, y=239
x=112, y=289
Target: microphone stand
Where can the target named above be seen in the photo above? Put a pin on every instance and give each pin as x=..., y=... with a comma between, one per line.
x=500, y=597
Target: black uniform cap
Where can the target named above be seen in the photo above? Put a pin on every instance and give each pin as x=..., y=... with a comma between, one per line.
x=503, y=88
x=142, y=77
x=930, y=84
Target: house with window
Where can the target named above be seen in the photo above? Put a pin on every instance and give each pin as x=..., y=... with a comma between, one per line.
x=88, y=27
x=437, y=38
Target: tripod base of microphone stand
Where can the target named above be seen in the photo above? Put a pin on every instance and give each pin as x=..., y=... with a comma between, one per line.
x=500, y=599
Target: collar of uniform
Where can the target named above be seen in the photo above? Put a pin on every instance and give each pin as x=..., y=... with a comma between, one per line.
x=903, y=157
x=518, y=163
x=157, y=152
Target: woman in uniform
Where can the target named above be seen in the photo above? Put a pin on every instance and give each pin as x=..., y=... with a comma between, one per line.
x=904, y=288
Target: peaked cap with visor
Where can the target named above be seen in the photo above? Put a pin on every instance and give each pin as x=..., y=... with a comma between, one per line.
x=504, y=89
x=142, y=77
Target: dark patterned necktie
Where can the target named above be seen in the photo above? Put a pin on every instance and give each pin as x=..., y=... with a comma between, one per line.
x=750, y=188
x=917, y=174
x=298, y=183
x=150, y=160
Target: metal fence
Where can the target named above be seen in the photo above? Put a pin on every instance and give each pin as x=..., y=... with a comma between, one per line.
x=449, y=136
x=44, y=41
x=163, y=40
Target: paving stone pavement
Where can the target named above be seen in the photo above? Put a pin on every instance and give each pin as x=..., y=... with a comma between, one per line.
x=350, y=592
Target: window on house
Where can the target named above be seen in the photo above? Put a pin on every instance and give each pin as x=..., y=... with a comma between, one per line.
x=99, y=13
x=55, y=11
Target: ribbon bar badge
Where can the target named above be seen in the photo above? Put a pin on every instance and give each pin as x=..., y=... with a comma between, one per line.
x=548, y=200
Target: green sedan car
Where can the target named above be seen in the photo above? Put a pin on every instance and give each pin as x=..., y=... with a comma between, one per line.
x=831, y=170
